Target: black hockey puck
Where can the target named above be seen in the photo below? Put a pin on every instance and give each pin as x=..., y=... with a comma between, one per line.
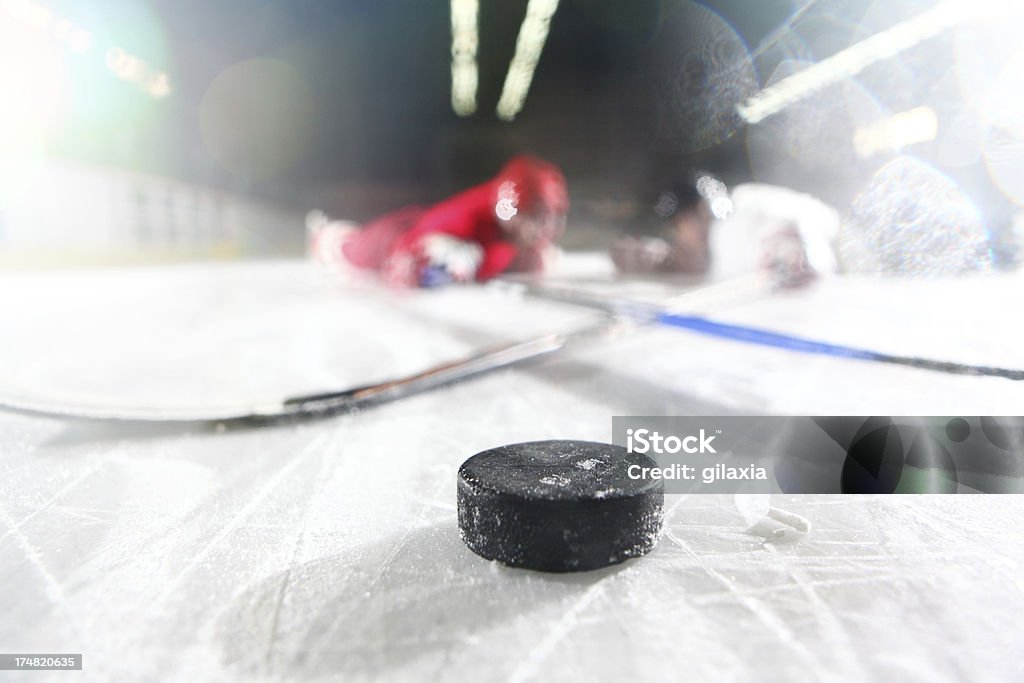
x=559, y=506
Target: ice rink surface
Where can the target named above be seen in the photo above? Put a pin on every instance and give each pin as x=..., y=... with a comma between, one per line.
x=329, y=549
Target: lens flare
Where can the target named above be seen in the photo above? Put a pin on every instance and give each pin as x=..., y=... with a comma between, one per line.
x=32, y=92
x=810, y=145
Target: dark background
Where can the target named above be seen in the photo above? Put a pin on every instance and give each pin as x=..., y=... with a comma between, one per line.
x=379, y=73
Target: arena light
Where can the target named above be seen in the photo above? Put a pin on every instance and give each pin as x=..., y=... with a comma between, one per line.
x=33, y=89
x=859, y=56
x=29, y=13
x=132, y=69
x=123, y=65
x=529, y=45
x=882, y=45
x=899, y=130
x=465, y=39
x=37, y=17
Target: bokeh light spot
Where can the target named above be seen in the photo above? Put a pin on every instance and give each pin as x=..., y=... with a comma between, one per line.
x=913, y=220
x=705, y=72
x=256, y=118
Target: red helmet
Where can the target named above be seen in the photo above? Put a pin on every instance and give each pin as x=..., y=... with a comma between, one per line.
x=532, y=186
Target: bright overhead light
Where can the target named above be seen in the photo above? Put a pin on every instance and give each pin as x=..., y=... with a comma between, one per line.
x=882, y=45
x=464, y=44
x=28, y=12
x=123, y=65
x=128, y=67
x=897, y=131
x=529, y=45
x=856, y=58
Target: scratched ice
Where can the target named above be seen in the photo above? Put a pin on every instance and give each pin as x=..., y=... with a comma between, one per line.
x=331, y=549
